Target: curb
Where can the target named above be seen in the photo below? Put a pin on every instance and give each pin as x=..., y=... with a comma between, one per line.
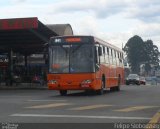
x=23, y=89
x=26, y=87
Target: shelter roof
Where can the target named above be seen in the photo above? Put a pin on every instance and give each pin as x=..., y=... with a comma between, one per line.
x=24, y=35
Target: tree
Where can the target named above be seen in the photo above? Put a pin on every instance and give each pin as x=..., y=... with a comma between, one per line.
x=139, y=52
x=152, y=54
x=134, y=51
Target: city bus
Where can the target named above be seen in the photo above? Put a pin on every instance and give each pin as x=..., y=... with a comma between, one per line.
x=84, y=63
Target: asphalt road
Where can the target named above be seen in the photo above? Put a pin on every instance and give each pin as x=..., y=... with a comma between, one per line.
x=133, y=104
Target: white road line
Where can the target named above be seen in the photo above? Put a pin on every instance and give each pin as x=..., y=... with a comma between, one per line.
x=47, y=100
x=81, y=116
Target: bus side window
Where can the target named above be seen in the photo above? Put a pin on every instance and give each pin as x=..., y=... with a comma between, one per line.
x=100, y=51
x=117, y=60
x=104, y=51
x=97, y=58
x=106, y=55
x=102, y=56
x=120, y=59
x=96, y=55
x=111, y=57
x=115, y=57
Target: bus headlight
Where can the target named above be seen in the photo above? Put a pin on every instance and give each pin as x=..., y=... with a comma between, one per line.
x=86, y=83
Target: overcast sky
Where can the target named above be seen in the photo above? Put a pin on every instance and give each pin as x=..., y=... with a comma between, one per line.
x=114, y=21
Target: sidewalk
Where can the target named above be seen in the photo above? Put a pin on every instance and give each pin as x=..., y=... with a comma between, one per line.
x=19, y=86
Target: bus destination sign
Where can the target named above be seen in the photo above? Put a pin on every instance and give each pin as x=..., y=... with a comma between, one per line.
x=18, y=23
x=74, y=39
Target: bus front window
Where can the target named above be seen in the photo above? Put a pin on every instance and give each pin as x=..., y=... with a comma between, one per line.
x=77, y=58
x=59, y=59
x=81, y=58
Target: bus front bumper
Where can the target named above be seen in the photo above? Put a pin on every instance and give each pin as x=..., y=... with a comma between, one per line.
x=78, y=86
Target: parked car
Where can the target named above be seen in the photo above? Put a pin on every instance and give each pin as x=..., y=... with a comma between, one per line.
x=142, y=80
x=133, y=79
x=37, y=79
x=153, y=80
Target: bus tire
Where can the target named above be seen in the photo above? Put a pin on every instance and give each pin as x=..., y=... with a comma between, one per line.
x=117, y=88
x=101, y=91
x=63, y=92
x=113, y=88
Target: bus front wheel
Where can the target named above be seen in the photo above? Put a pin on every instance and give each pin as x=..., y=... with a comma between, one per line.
x=101, y=91
x=63, y=92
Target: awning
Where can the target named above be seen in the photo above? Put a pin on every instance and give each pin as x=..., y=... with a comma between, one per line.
x=24, y=35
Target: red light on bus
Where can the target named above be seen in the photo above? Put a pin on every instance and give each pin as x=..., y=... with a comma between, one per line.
x=73, y=39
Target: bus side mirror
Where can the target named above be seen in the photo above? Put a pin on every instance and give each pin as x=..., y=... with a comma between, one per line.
x=100, y=51
x=97, y=67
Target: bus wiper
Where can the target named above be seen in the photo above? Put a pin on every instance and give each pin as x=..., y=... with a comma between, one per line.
x=75, y=49
x=65, y=48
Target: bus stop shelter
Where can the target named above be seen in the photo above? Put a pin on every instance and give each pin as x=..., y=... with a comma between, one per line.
x=26, y=36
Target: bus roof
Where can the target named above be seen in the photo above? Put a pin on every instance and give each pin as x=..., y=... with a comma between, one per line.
x=106, y=44
x=97, y=40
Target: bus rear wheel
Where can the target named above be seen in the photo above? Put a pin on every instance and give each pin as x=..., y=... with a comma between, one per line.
x=63, y=92
x=117, y=88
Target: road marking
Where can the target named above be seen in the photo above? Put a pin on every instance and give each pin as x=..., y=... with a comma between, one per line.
x=90, y=107
x=34, y=100
x=80, y=116
x=136, y=108
x=49, y=105
x=154, y=120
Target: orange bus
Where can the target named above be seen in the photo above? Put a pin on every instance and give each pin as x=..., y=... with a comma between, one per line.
x=84, y=63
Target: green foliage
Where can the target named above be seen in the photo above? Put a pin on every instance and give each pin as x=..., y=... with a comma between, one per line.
x=140, y=52
x=152, y=55
x=134, y=51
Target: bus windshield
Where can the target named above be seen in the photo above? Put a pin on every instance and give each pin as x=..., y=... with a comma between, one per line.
x=71, y=58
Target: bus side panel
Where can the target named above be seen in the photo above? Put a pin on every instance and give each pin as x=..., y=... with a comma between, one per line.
x=111, y=75
x=120, y=71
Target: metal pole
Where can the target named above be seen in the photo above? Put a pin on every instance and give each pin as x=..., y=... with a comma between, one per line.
x=10, y=79
x=26, y=63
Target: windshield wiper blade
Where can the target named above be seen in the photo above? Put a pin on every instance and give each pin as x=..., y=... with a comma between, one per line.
x=75, y=49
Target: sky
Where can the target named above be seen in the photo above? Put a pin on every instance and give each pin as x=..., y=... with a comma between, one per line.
x=114, y=21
